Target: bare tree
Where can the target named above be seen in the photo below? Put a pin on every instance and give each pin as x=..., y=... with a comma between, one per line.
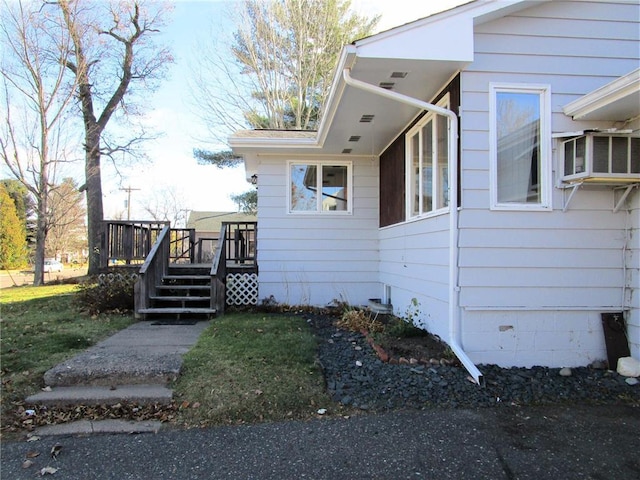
x=167, y=204
x=36, y=98
x=67, y=229
x=283, y=56
x=112, y=54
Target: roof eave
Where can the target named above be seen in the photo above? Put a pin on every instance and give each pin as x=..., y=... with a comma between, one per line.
x=624, y=89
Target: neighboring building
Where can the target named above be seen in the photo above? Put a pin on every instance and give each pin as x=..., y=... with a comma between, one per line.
x=515, y=228
x=208, y=226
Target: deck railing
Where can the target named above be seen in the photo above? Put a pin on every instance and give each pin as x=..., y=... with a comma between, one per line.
x=236, y=249
x=128, y=243
x=153, y=269
x=240, y=242
x=182, y=245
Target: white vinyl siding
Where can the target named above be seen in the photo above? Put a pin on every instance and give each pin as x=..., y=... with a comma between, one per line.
x=533, y=284
x=316, y=259
x=414, y=261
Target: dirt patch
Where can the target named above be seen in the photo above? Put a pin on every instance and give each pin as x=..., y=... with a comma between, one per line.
x=422, y=348
x=397, y=341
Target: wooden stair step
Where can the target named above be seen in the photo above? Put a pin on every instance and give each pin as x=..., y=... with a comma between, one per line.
x=183, y=287
x=178, y=310
x=181, y=299
x=187, y=277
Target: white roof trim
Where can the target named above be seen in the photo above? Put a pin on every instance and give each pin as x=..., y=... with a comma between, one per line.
x=621, y=88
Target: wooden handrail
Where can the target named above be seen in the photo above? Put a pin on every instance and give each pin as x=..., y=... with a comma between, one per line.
x=218, y=273
x=153, y=269
x=154, y=250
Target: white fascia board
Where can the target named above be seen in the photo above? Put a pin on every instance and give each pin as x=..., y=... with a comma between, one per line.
x=238, y=144
x=621, y=88
x=338, y=85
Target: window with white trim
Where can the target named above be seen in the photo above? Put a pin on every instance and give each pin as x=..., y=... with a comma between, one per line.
x=520, y=166
x=427, y=155
x=320, y=187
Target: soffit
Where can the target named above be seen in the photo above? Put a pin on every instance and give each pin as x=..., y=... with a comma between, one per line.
x=423, y=80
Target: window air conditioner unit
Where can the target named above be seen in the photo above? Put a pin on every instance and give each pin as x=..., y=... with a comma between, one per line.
x=602, y=158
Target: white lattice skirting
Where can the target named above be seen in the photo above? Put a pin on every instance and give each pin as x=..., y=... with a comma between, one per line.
x=242, y=289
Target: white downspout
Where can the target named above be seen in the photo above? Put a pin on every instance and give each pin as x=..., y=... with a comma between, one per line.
x=454, y=289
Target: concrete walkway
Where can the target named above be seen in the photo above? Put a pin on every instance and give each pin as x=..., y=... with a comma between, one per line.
x=135, y=365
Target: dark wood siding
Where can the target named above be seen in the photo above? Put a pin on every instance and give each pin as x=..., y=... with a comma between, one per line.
x=392, y=187
x=392, y=166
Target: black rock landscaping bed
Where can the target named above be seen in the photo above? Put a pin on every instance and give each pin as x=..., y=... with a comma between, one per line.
x=356, y=377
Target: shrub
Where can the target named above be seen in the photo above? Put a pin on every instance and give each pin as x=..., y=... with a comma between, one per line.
x=358, y=320
x=107, y=293
x=401, y=328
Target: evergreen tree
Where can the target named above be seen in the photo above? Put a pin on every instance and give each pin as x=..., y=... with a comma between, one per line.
x=12, y=234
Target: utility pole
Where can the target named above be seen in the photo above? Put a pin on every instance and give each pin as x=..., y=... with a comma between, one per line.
x=129, y=190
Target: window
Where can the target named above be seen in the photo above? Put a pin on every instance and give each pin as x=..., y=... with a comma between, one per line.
x=319, y=187
x=520, y=148
x=428, y=164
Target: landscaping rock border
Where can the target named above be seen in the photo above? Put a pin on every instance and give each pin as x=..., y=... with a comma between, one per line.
x=357, y=377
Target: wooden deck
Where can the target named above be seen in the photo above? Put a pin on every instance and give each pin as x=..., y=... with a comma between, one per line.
x=171, y=282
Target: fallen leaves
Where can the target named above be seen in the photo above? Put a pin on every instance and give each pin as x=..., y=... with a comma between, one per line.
x=18, y=419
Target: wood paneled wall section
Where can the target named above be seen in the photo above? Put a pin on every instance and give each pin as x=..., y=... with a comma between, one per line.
x=392, y=166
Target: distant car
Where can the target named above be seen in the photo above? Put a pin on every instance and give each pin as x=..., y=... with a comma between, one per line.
x=51, y=265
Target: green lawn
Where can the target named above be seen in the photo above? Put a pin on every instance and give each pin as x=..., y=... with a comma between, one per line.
x=39, y=328
x=250, y=367
x=246, y=367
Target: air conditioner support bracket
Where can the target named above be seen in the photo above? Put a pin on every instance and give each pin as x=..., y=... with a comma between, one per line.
x=623, y=197
x=574, y=188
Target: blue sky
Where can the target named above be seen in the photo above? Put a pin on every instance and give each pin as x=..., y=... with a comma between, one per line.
x=173, y=166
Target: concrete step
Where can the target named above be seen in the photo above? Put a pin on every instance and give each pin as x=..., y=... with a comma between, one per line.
x=102, y=395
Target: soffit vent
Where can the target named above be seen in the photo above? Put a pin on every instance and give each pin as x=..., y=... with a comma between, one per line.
x=386, y=85
x=399, y=74
x=367, y=118
x=354, y=138
x=346, y=150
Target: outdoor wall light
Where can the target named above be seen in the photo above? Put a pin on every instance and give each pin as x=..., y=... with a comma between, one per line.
x=254, y=179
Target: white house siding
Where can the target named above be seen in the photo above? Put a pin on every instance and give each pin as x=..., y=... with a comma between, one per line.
x=633, y=268
x=414, y=263
x=316, y=259
x=533, y=284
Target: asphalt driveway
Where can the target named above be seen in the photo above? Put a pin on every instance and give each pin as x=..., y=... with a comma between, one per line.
x=506, y=442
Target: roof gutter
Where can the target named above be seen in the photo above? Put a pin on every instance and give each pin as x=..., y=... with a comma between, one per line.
x=454, y=289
